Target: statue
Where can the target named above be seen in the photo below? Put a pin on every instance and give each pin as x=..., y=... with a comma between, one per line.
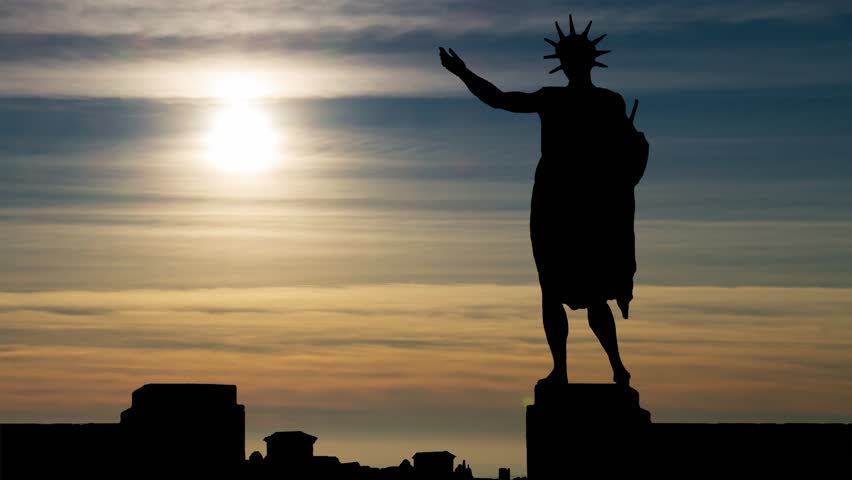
x=581, y=214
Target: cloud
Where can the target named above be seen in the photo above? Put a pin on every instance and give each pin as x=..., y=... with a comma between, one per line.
x=388, y=48
x=28, y=47
x=56, y=310
x=415, y=190
x=215, y=16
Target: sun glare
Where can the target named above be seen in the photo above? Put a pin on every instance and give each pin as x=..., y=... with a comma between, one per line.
x=237, y=88
x=242, y=138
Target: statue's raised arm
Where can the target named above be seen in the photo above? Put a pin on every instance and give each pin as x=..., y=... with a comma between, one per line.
x=484, y=90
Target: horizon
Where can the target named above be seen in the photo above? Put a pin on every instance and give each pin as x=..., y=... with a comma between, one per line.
x=357, y=258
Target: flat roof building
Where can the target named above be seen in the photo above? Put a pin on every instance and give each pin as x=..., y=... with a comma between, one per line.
x=433, y=464
x=290, y=448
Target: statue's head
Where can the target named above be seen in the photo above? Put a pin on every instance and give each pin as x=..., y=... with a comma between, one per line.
x=576, y=53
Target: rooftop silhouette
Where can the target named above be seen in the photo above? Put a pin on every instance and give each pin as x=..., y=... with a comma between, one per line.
x=188, y=431
x=574, y=430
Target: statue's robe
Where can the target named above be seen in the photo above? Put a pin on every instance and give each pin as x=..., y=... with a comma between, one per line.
x=581, y=218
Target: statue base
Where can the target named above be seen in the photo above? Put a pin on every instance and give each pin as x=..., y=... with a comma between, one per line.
x=580, y=430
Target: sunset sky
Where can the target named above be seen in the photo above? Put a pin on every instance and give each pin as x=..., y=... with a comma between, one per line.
x=296, y=198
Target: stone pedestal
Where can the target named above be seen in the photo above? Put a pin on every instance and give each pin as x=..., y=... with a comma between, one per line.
x=578, y=430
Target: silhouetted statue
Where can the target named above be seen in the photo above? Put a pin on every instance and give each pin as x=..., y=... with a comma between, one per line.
x=581, y=218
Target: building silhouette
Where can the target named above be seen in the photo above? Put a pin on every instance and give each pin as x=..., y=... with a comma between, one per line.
x=437, y=465
x=170, y=430
x=198, y=431
x=295, y=450
x=187, y=431
x=194, y=428
x=297, y=446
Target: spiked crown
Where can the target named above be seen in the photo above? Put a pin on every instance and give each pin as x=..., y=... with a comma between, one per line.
x=576, y=50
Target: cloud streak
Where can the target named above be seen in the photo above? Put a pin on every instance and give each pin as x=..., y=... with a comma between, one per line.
x=388, y=190
x=156, y=49
x=214, y=16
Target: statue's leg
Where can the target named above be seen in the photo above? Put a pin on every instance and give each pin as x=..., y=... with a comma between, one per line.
x=556, y=331
x=603, y=324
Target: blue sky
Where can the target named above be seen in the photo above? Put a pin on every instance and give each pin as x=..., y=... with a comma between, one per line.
x=385, y=257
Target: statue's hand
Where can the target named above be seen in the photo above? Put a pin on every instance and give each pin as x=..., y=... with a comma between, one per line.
x=452, y=62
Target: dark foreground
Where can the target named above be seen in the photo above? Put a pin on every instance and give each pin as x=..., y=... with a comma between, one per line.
x=573, y=431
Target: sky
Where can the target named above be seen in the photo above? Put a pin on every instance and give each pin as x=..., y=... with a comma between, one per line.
x=356, y=256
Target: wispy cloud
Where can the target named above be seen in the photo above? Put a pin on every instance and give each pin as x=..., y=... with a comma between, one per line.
x=212, y=16
x=414, y=190
x=162, y=50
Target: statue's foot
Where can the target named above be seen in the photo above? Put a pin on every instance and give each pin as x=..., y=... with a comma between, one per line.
x=621, y=377
x=555, y=377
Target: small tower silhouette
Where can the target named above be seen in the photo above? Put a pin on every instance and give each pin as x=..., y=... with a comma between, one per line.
x=290, y=451
x=433, y=465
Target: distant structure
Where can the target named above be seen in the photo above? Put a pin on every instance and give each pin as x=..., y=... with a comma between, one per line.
x=294, y=446
x=463, y=472
x=188, y=431
x=433, y=465
x=295, y=449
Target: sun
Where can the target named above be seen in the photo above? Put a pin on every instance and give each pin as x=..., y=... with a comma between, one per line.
x=241, y=139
